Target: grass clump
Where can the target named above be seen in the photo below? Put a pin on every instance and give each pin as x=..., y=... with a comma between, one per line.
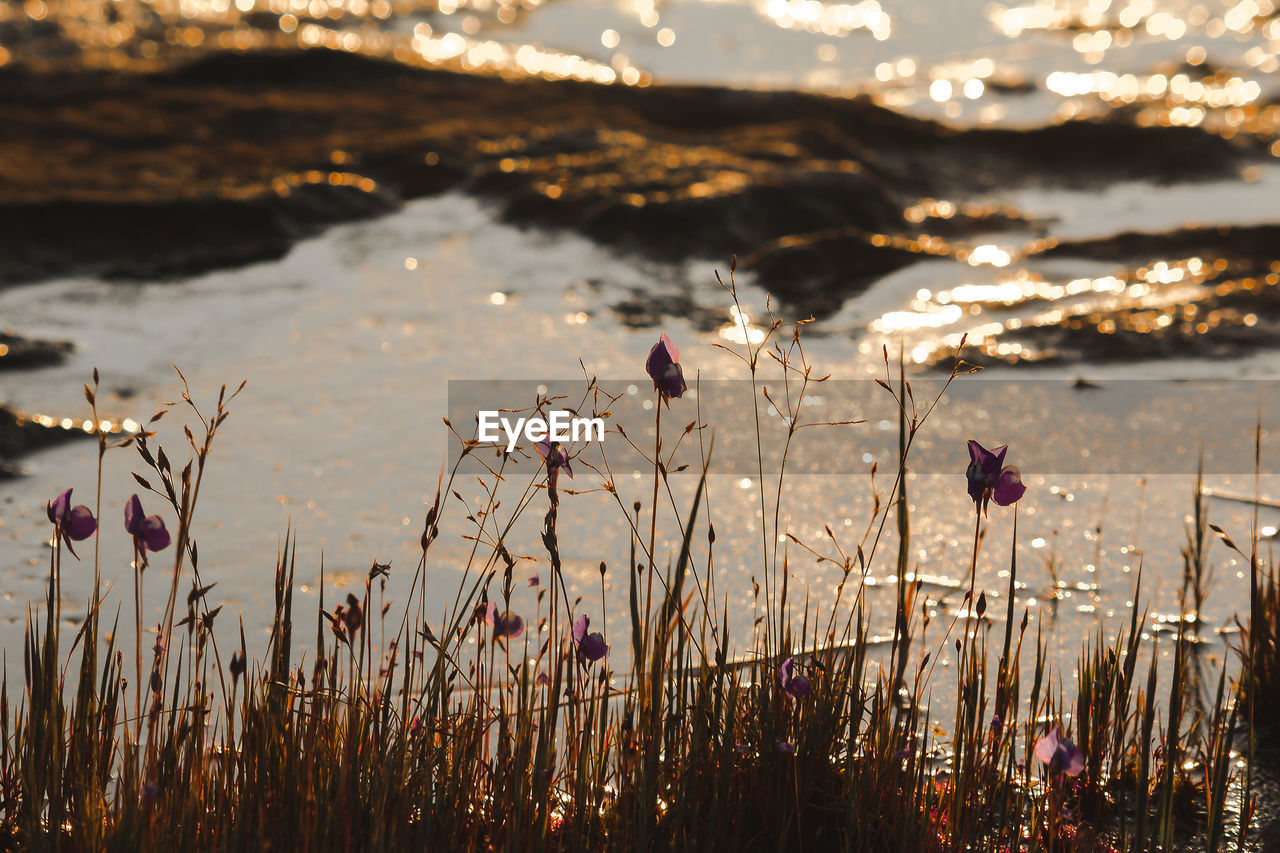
x=399, y=728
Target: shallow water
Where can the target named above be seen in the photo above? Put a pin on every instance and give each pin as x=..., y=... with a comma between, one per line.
x=337, y=436
x=971, y=61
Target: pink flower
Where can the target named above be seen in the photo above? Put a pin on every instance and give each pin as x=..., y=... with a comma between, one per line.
x=505, y=624
x=72, y=523
x=989, y=480
x=557, y=460
x=1059, y=754
x=149, y=533
x=591, y=647
x=663, y=367
x=793, y=683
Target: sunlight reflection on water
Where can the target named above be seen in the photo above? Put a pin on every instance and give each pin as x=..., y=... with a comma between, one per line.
x=1178, y=62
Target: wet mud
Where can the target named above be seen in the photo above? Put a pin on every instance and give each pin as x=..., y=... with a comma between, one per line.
x=1191, y=293
x=19, y=436
x=17, y=352
x=234, y=158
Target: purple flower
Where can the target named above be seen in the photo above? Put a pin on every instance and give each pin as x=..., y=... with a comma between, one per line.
x=785, y=746
x=556, y=458
x=505, y=624
x=663, y=367
x=591, y=647
x=533, y=580
x=149, y=533
x=72, y=523
x=793, y=683
x=989, y=478
x=1060, y=754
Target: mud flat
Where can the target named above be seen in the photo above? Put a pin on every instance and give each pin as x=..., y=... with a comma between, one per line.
x=17, y=352
x=235, y=157
x=20, y=436
x=1216, y=294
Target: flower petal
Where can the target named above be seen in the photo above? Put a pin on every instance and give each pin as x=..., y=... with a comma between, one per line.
x=79, y=523
x=507, y=624
x=659, y=359
x=1072, y=759
x=663, y=367
x=593, y=646
x=793, y=683
x=977, y=453
x=155, y=536
x=672, y=352
x=556, y=458
x=977, y=479
x=1047, y=747
x=133, y=516
x=57, y=508
x=1009, y=487
x=671, y=385
x=786, y=672
x=580, y=629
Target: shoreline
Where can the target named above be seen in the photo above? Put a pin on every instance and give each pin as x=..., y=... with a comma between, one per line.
x=235, y=157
